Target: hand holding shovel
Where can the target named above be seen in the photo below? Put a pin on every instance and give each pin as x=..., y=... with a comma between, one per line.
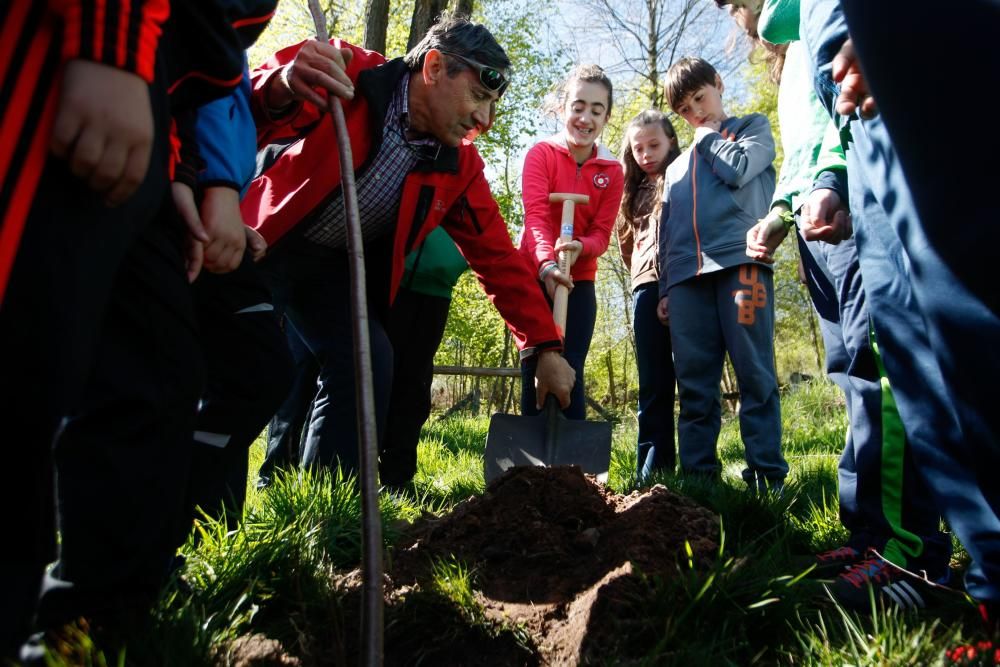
x=568, y=250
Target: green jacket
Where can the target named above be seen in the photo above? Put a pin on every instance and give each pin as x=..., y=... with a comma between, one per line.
x=810, y=140
x=435, y=266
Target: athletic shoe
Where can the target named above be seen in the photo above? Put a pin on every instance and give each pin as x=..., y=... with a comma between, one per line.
x=891, y=586
x=832, y=562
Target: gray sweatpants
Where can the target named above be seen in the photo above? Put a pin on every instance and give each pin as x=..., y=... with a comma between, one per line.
x=731, y=310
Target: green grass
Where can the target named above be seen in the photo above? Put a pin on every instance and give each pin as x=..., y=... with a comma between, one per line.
x=278, y=573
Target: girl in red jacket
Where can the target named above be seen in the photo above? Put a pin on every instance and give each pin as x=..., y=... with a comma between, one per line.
x=571, y=161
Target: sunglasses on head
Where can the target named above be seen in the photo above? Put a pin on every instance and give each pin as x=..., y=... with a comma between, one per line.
x=490, y=77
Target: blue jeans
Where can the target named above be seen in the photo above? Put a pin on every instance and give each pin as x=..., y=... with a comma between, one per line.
x=284, y=432
x=925, y=270
x=580, y=316
x=654, y=359
x=884, y=502
x=312, y=284
x=732, y=311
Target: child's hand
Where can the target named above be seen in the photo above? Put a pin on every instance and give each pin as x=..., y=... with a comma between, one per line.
x=220, y=213
x=824, y=218
x=104, y=128
x=197, y=237
x=663, y=312
x=572, y=248
x=256, y=244
x=765, y=237
x=854, y=93
x=554, y=278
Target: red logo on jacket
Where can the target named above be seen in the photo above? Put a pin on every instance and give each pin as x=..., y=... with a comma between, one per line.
x=601, y=180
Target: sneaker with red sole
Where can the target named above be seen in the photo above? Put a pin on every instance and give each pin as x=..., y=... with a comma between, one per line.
x=890, y=585
x=832, y=562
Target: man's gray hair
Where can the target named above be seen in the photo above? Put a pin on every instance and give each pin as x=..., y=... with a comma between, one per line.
x=458, y=35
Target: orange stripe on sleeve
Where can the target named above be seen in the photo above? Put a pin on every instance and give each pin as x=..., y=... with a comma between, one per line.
x=154, y=14
x=121, y=49
x=12, y=27
x=694, y=206
x=72, y=17
x=100, y=10
x=229, y=83
x=30, y=171
x=12, y=123
x=253, y=20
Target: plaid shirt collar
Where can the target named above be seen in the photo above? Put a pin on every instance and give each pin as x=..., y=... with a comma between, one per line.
x=398, y=117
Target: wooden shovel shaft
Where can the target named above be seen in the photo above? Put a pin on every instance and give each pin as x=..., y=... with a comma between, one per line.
x=372, y=623
x=560, y=300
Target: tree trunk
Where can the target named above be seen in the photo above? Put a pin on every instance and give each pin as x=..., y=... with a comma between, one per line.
x=464, y=7
x=424, y=14
x=652, y=53
x=376, y=24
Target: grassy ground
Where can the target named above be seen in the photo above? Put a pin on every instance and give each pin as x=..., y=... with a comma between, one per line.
x=279, y=573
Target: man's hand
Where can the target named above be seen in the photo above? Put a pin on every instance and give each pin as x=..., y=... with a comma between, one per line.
x=104, y=128
x=317, y=65
x=256, y=244
x=220, y=214
x=824, y=217
x=854, y=92
x=197, y=237
x=553, y=375
x=663, y=311
x=765, y=237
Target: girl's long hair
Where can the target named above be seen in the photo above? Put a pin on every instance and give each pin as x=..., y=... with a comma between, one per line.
x=634, y=175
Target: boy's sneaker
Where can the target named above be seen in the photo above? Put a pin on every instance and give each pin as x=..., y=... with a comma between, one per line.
x=830, y=563
x=890, y=585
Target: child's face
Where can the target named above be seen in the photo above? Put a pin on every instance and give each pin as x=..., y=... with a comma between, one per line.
x=585, y=113
x=703, y=106
x=650, y=145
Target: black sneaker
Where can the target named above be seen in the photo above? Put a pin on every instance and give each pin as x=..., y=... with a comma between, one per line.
x=891, y=586
x=832, y=562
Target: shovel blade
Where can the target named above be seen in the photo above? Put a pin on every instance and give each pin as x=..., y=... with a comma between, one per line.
x=517, y=440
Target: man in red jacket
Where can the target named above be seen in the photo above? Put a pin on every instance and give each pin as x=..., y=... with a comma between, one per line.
x=410, y=120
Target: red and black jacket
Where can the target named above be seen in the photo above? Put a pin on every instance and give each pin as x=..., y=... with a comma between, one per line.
x=301, y=174
x=36, y=40
x=201, y=43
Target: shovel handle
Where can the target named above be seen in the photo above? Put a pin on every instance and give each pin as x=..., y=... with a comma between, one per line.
x=560, y=300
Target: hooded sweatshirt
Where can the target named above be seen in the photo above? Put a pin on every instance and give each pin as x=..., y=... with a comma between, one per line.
x=550, y=167
x=713, y=194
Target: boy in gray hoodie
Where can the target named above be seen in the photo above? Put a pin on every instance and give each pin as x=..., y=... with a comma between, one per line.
x=715, y=299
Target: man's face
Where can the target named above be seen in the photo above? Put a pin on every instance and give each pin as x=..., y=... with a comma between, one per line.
x=458, y=106
x=703, y=105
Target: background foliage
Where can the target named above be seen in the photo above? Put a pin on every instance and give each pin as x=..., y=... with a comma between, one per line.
x=543, y=41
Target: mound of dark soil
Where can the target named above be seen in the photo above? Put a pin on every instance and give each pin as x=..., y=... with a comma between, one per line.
x=557, y=563
x=548, y=546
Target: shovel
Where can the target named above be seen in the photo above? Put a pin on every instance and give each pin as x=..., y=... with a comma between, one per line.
x=549, y=438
